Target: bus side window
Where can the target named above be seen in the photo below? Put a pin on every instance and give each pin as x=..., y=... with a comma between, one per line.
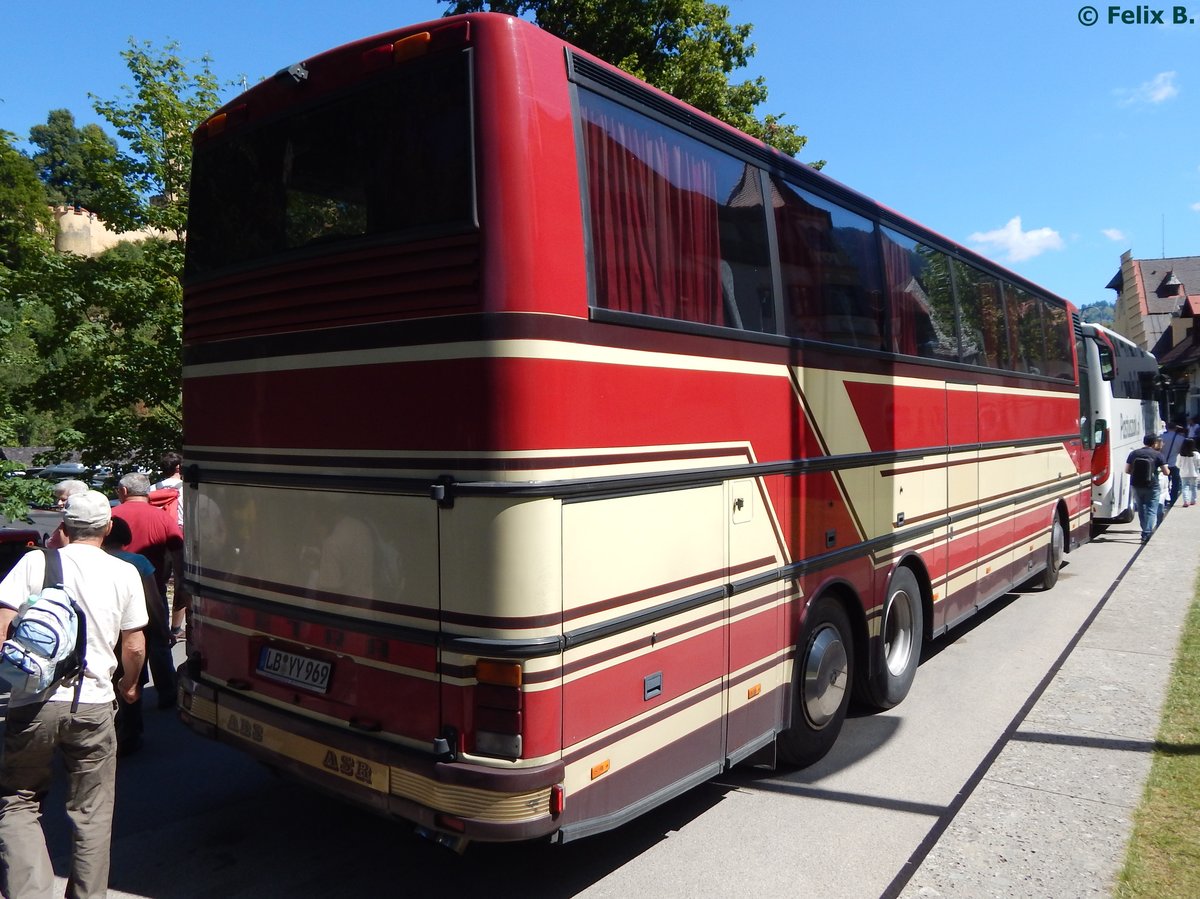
x=745, y=269
x=1058, y=340
x=919, y=281
x=1026, y=330
x=1107, y=369
x=830, y=266
x=984, y=336
x=678, y=227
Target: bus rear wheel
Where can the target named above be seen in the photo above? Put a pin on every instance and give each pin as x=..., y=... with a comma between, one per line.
x=820, y=685
x=899, y=645
x=1054, y=556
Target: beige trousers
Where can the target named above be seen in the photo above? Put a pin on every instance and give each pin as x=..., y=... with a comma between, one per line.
x=88, y=743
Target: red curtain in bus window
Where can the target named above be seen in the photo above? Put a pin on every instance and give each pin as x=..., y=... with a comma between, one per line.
x=906, y=309
x=654, y=220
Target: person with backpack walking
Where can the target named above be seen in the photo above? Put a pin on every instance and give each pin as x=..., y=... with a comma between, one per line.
x=1143, y=466
x=74, y=720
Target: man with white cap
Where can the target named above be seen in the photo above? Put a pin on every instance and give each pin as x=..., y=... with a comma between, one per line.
x=109, y=592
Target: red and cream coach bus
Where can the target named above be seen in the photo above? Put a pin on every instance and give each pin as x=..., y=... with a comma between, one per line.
x=553, y=446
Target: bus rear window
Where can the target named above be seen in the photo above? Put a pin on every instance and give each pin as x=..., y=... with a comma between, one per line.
x=390, y=160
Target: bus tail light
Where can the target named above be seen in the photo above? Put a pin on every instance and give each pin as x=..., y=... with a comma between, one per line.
x=1101, y=460
x=558, y=800
x=498, y=709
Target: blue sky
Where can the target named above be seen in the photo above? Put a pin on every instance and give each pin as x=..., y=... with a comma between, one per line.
x=1049, y=145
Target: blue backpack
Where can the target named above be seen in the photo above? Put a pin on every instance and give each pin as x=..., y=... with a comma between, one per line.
x=48, y=639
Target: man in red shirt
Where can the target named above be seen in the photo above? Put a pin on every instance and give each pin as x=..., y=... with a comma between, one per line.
x=156, y=535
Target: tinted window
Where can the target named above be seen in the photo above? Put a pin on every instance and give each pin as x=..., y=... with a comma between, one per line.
x=392, y=158
x=1059, y=341
x=922, y=297
x=678, y=228
x=1026, y=330
x=981, y=311
x=830, y=265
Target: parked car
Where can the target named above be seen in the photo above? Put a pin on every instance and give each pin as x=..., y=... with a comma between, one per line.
x=14, y=543
x=64, y=470
x=103, y=478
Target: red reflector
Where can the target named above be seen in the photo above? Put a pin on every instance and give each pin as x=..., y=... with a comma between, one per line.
x=377, y=58
x=449, y=822
x=500, y=721
x=498, y=697
x=450, y=37
x=558, y=800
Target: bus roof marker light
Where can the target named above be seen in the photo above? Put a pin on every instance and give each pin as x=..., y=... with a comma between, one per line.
x=411, y=47
x=218, y=123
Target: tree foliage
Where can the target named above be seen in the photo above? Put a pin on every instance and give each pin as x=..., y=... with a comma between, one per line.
x=91, y=348
x=18, y=493
x=688, y=48
x=106, y=332
x=25, y=220
x=147, y=185
x=74, y=163
x=1101, y=312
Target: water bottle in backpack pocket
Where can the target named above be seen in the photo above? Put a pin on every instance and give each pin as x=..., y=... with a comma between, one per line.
x=48, y=639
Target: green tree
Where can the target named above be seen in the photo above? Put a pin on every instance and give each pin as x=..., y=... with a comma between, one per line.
x=25, y=220
x=18, y=493
x=147, y=185
x=687, y=48
x=106, y=334
x=72, y=162
x=93, y=353
x=1100, y=313
x=26, y=226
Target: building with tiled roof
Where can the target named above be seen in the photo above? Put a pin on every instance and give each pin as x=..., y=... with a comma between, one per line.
x=1158, y=306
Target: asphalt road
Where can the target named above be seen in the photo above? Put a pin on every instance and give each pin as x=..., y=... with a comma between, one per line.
x=196, y=819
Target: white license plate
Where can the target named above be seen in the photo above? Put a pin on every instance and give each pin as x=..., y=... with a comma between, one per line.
x=299, y=671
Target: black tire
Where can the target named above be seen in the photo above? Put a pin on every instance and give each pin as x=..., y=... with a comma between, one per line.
x=898, y=648
x=1054, y=556
x=820, y=685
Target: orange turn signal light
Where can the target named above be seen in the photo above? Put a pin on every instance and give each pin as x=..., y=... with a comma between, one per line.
x=411, y=47
x=504, y=674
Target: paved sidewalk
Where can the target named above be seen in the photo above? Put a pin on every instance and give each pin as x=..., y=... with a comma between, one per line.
x=1051, y=815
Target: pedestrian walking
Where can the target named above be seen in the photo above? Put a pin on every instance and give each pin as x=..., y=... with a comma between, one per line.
x=156, y=535
x=1143, y=466
x=74, y=722
x=63, y=491
x=1189, y=471
x=130, y=726
x=1172, y=439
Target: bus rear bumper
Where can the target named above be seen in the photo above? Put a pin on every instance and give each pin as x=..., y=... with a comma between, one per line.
x=465, y=801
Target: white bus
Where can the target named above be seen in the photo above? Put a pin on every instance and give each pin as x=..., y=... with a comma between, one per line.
x=1120, y=380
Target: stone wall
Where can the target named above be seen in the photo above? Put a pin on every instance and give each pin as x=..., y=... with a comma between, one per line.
x=84, y=234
